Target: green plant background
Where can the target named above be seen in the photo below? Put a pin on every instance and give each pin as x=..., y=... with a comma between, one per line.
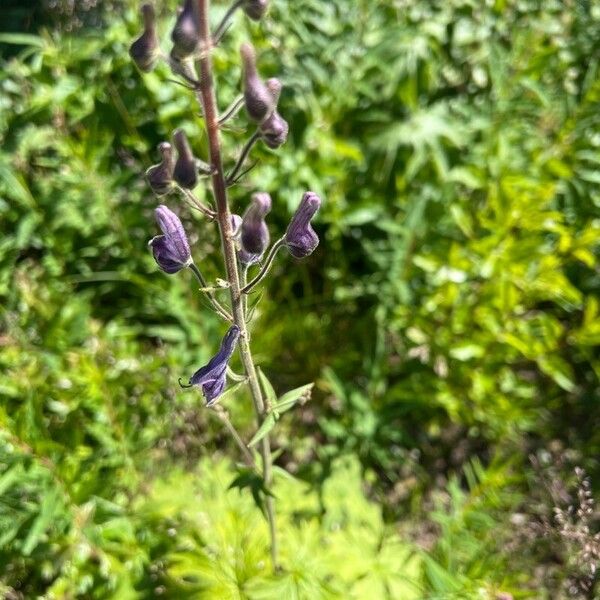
x=449, y=318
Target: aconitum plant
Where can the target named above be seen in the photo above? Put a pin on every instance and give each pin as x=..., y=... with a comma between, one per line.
x=245, y=240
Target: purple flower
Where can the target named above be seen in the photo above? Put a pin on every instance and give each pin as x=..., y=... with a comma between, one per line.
x=255, y=9
x=258, y=99
x=185, y=171
x=255, y=233
x=300, y=237
x=274, y=130
x=160, y=176
x=185, y=35
x=211, y=377
x=171, y=250
x=145, y=50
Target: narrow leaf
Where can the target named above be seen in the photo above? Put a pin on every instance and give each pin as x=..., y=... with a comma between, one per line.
x=289, y=399
x=264, y=429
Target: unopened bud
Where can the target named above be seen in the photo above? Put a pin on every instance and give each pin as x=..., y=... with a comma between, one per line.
x=300, y=238
x=257, y=97
x=255, y=9
x=185, y=34
x=185, y=171
x=274, y=130
x=255, y=233
x=146, y=49
x=160, y=176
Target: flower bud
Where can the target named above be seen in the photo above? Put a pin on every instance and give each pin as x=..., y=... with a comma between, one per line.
x=171, y=250
x=255, y=233
x=274, y=130
x=255, y=9
x=146, y=49
x=160, y=176
x=257, y=97
x=185, y=171
x=300, y=238
x=185, y=34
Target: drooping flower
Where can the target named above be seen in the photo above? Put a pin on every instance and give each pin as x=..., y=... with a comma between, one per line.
x=300, y=238
x=257, y=97
x=185, y=34
x=255, y=233
x=211, y=377
x=274, y=130
x=171, y=250
x=160, y=176
x=145, y=50
x=255, y=9
x=185, y=172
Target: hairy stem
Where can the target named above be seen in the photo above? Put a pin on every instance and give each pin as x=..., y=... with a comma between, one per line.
x=206, y=96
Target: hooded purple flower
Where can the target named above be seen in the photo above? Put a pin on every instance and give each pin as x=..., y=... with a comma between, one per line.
x=258, y=99
x=255, y=233
x=171, y=250
x=185, y=34
x=300, y=237
x=211, y=377
x=145, y=50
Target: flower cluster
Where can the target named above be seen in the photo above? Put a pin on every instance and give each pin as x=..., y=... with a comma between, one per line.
x=246, y=239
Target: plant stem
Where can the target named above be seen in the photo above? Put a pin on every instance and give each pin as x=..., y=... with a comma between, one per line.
x=245, y=151
x=206, y=97
x=216, y=304
x=266, y=266
x=224, y=418
x=220, y=30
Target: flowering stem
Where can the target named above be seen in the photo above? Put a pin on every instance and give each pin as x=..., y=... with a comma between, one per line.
x=216, y=304
x=246, y=150
x=224, y=418
x=195, y=203
x=266, y=266
x=220, y=30
x=232, y=110
x=206, y=97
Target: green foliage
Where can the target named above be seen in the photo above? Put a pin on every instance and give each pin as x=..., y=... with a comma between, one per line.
x=450, y=314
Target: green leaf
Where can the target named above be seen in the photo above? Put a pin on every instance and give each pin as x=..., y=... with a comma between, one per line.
x=270, y=394
x=290, y=398
x=264, y=429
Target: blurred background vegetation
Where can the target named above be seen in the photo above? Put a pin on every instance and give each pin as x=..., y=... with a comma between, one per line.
x=450, y=317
